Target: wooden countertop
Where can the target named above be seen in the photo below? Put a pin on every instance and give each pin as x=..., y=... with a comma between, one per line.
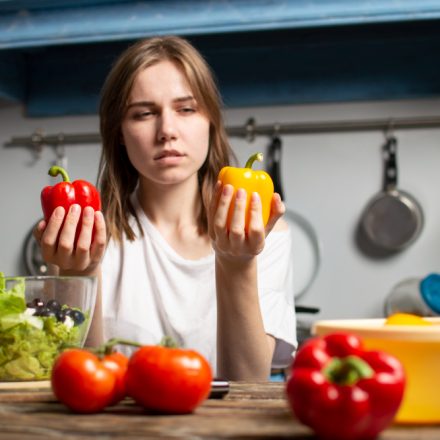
x=249, y=411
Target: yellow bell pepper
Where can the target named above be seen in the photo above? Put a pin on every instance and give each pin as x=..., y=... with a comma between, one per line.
x=406, y=319
x=251, y=181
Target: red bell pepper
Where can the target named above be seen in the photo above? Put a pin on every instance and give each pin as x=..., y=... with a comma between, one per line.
x=342, y=391
x=67, y=193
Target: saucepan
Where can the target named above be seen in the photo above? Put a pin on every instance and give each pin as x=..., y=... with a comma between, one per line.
x=306, y=248
x=393, y=219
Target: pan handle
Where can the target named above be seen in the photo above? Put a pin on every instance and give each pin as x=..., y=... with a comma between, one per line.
x=273, y=164
x=306, y=309
x=390, y=158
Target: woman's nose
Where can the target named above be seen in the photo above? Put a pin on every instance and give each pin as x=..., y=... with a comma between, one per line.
x=166, y=129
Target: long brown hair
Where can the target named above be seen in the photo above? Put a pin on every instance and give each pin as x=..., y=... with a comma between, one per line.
x=117, y=177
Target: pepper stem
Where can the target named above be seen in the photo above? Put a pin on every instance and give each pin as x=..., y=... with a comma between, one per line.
x=253, y=158
x=55, y=170
x=348, y=370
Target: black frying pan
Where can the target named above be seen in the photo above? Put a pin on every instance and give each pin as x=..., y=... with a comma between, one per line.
x=393, y=219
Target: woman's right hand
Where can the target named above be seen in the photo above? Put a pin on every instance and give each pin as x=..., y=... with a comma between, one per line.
x=57, y=239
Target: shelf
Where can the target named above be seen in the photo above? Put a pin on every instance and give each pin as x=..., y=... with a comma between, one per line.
x=25, y=24
x=54, y=54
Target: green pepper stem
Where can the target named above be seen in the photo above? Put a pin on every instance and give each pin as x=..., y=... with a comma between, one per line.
x=253, y=158
x=348, y=370
x=55, y=170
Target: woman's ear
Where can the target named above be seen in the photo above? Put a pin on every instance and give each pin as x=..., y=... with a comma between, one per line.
x=121, y=140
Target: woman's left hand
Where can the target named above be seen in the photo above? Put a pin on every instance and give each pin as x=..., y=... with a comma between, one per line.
x=235, y=242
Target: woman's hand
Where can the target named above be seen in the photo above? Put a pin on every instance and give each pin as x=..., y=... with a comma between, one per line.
x=235, y=242
x=57, y=238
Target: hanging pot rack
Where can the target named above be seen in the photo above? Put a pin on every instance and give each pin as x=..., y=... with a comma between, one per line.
x=248, y=131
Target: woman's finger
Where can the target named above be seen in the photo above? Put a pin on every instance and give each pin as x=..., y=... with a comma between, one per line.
x=38, y=230
x=99, y=240
x=277, y=210
x=49, y=237
x=82, y=249
x=256, y=232
x=66, y=241
x=221, y=213
x=238, y=220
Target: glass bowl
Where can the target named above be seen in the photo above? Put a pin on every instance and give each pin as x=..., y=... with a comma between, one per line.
x=40, y=316
x=417, y=347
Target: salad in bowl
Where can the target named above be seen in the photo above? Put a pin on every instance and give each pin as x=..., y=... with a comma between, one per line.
x=40, y=316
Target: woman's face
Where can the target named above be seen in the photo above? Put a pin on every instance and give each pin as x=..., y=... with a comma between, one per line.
x=164, y=131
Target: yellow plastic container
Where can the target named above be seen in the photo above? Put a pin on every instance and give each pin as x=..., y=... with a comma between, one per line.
x=417, y=347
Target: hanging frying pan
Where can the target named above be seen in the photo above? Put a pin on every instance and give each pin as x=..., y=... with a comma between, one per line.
x=393, y=219
x=305, y=245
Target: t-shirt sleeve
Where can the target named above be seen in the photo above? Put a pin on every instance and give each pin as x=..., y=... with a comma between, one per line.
x=275, y=287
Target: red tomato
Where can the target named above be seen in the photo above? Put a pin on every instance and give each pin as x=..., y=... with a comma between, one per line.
x=169, y=380
x=117, y=363
x=81, y=381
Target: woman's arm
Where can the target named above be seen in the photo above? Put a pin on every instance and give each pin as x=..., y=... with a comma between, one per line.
x=244, y=350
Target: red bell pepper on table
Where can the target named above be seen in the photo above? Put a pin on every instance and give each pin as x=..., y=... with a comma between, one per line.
x=67, y=193
x=342, y=391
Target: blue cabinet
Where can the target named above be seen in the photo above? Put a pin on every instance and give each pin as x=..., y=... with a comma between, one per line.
x=54, y=54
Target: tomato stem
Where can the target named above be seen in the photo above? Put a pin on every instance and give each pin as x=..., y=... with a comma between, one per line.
x=255, y=157
x=168, y=341
x=55, y=170
x=108, y=346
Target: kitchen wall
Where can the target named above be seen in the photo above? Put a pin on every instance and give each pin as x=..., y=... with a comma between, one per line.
x=328, y=178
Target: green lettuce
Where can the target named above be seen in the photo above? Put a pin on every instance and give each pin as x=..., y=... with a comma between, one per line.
x=13, y=300
x=29, y=344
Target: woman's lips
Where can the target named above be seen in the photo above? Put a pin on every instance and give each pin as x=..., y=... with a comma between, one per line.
x=169, y=157
x=167, y=153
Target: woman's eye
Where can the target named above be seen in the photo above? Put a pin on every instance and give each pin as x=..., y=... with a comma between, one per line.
x=143, y=115
x=187, y=110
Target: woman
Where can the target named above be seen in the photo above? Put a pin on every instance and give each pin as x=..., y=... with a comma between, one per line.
x=167, y=262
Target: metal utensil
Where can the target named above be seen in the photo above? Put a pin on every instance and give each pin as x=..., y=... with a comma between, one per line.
x=393, y=219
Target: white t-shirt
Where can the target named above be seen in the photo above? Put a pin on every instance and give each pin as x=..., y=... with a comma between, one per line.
x=150, y=291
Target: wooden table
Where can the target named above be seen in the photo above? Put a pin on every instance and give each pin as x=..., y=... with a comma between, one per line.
x=249, y=411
